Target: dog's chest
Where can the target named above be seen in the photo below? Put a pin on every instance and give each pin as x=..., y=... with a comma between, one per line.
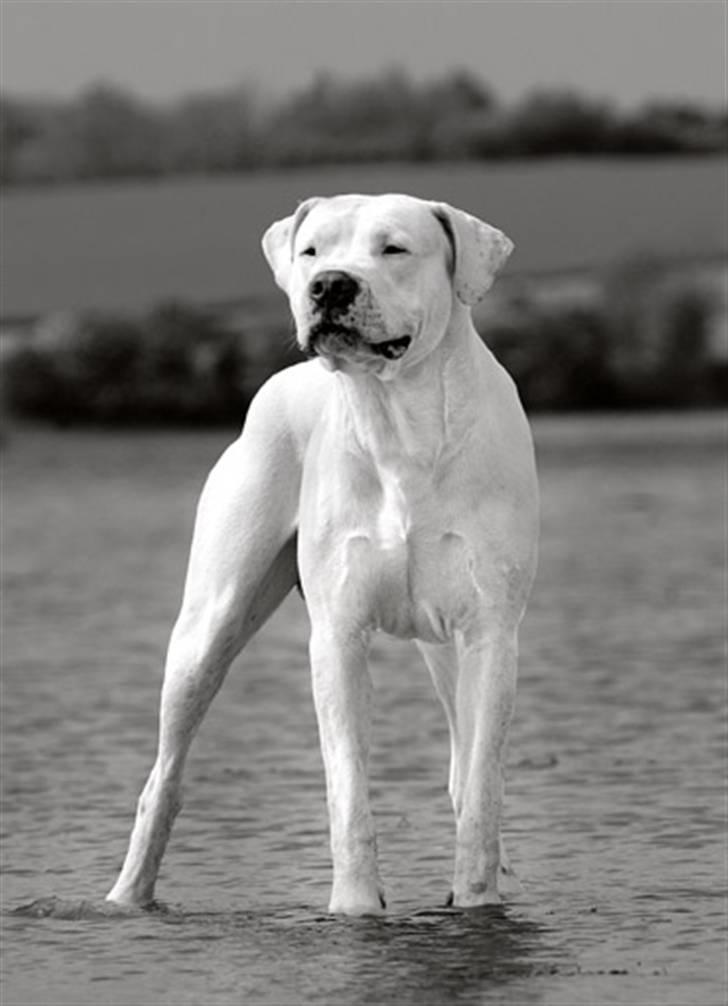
x=397, y=557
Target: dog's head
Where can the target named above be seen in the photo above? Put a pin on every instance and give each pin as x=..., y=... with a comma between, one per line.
x=372, y=279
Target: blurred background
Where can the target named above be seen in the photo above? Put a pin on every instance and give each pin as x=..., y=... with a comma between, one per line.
x=146, y=147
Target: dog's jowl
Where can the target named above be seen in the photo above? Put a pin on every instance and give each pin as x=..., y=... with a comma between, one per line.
x=393, y=472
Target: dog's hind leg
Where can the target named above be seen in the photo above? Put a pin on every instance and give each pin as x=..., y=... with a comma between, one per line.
x=441, y=660
x=242, y=565
x=202, y=646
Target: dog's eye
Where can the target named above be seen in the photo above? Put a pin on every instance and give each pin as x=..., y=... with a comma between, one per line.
x=394, y=250
x=309, y=251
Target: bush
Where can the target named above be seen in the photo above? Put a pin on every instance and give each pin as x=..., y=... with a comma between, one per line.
x=659, y=335
x=177, y=365
x=640, y=339
x=557, y=353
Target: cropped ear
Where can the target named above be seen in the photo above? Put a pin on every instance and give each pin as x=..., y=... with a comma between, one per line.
x=479, y=251
x=278, y=242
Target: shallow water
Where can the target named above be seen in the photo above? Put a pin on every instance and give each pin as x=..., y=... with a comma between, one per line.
x=615, y=809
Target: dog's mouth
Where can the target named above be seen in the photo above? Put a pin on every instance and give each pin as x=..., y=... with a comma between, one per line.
x=335, y=340
x=392, y=349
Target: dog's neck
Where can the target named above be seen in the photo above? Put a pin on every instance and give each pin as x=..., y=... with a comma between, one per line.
x=422, y=416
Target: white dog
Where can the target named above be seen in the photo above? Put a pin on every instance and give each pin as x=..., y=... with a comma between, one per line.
x=395, y=474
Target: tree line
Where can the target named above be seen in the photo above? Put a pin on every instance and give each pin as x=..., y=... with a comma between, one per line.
x=108, y=133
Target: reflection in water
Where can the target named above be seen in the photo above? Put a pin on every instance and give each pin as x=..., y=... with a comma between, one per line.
x=438, y=958
x=429, y=956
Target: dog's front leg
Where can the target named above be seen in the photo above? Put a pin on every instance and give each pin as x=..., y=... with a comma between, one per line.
x=486, y=689
x=342, y=695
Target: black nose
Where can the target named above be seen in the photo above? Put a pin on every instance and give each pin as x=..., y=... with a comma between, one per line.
x=333, y=289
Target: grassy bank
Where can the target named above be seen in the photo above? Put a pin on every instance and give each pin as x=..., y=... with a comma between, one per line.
x=128, y=247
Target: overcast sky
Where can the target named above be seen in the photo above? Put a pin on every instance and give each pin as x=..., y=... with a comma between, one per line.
x=627, y=50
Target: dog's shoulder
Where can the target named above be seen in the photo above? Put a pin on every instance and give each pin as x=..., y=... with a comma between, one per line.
x=289, y=404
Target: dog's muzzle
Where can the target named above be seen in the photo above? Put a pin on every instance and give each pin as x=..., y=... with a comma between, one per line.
x=333, y=295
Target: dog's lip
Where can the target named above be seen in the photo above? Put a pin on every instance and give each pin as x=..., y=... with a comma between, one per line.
x=321, y=339
x=393, y=349
x=335, y=340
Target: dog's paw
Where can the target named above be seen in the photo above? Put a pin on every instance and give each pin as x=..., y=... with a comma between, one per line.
x=357, y=901
x=476, y=895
